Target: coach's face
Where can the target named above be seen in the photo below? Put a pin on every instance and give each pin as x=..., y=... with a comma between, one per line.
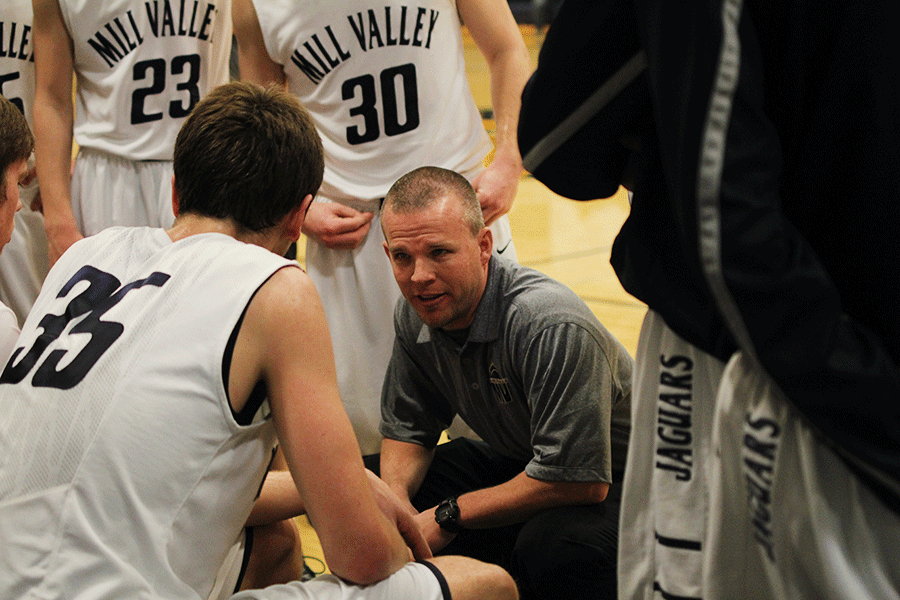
x=440, y=266
x=9, y=201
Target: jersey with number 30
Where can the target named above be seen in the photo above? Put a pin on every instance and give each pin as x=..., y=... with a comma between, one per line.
x=141, y=67
x=123, y=471
x=386, y=84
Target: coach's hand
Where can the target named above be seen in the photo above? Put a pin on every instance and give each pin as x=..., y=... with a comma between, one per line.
x=337, y=226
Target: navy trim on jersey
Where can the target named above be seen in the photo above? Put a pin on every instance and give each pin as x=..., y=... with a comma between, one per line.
x=245, y=561
x=677, y=543
x=259, y=393
x=445, y=589
x=667, y=596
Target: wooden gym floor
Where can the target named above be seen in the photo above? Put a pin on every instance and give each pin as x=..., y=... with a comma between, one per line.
x=567, y=240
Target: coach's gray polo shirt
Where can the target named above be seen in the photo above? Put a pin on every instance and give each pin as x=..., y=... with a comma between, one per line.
x=536, y=376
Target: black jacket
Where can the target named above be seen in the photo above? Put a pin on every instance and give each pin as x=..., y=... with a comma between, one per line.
x=767, y=188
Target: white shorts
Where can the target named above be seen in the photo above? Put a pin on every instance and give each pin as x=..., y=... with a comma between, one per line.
x=415, y=581
x=791, y=519
x=665, y=503
x=108, y=190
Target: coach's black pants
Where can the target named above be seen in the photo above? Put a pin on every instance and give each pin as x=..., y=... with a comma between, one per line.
x=559, y=554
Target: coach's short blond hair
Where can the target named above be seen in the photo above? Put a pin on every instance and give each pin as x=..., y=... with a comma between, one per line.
x=420, y=188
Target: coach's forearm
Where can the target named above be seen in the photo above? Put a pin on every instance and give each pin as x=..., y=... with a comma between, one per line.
x=404, y=465
x=521, y=497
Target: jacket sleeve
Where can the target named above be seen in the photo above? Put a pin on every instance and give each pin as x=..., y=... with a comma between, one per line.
x=779, y=299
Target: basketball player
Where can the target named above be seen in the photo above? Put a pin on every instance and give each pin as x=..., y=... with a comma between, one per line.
x=23, y=264
x=16, y=145
x=807, y=427
x=140, y=69
x=749, y=136
x=386, y=84
x=155, y=373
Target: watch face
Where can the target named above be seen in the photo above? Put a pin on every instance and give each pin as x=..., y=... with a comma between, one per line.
x=447, y=516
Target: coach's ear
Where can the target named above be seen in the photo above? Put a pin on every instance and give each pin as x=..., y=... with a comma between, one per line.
x=175, y=206
x=486, y=244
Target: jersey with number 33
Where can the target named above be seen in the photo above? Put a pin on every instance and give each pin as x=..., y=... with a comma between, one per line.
x=385, y=82
x=141, y=66
x=124, y=472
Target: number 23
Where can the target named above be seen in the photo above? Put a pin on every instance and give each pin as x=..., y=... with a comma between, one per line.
x=155, y=70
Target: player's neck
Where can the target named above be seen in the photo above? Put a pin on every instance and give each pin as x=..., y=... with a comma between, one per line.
x=191, y=224
x=187, y=225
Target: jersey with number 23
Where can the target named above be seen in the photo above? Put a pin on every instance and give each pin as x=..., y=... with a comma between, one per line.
x=141, y=68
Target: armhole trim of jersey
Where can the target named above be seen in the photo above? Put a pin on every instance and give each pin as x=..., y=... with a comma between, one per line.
x=259, y=393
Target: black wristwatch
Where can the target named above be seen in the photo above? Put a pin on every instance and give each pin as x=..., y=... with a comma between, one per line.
x=446, y=515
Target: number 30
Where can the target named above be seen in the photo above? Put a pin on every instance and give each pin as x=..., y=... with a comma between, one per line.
x=390, y=109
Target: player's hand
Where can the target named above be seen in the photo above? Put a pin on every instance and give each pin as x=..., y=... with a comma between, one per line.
x=337, y=226
x=436, y=537
x=495, y=189
x=394, y=510
x=403, y=498
x=59, y=238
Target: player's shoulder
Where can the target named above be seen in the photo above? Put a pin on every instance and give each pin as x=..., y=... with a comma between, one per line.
x=287, y=297
x=288, y=285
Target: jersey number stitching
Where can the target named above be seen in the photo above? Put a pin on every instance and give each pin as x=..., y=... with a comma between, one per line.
x=390, y=108
x=102, y=293
x=157, y=69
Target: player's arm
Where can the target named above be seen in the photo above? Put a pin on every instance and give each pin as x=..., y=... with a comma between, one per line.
x=279, y=499
x=53, y=121
x=496, y=34
x=253, y=59
x=285, y=339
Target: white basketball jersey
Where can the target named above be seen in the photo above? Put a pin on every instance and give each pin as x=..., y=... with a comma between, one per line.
x=386, y=84
x=141, y=68
x=16, y=54
x=123, y=471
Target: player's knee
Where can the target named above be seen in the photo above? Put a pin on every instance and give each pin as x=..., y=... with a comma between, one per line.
x=491, y=581
x=470, y=579
x=276, y=542
x=505, y=585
